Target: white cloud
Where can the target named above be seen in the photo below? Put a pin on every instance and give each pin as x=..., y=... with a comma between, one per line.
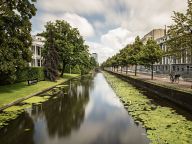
x=111, y=43
x=81, y=23
x=74, y=6
x=76, y=21
x=132, y=18
x=117, y=38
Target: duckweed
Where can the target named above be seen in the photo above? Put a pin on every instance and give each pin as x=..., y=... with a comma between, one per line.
x=13, y=112
x=163, y=124
x=36, y=99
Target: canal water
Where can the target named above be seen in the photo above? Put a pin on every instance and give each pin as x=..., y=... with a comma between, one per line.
x=86, y=112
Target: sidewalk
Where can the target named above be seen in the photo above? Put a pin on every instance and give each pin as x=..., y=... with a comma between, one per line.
x=161, y=80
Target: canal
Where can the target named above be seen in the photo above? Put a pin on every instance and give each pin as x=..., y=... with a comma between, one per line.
x=87, y=111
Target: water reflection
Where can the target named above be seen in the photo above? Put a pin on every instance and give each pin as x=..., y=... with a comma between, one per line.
x=85, y=112
x=18, y=131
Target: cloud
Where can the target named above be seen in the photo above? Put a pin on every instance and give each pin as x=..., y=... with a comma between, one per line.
x=74, y=6
x=117, y=38
x=109, y=24
x=86, y=29
x=111, y=43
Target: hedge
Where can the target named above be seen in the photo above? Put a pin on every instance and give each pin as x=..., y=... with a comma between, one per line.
x=30, y=73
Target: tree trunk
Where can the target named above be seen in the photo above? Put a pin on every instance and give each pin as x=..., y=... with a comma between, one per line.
x=126, y=69
x=121, y=70
x=63, y=69
x=136, y=70
x=152, y=71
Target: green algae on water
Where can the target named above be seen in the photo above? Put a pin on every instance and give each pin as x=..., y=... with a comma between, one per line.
x=13, y=112
x=163, y=124
x=17, y=108
x=36, y=99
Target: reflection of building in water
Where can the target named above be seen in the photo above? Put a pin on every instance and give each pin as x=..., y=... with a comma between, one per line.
x=95, y=56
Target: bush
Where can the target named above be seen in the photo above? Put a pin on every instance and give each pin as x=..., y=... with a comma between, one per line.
x=30, y=73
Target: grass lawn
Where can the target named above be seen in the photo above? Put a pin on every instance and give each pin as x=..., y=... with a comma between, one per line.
x=10, y=93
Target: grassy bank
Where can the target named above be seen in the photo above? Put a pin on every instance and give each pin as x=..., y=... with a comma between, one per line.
x=163, y=125
x=10, y=93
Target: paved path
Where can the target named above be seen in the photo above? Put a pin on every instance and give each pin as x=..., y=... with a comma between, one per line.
x=162, y=79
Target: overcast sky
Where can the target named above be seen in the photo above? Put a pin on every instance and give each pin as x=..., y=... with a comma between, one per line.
x=108, y=25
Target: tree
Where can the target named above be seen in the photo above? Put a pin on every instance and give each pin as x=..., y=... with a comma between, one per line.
x=93, y=62
x=180, y=33
x=133, y=53
x=15, y=40
x=50, y=52
x=150, y=54
x=71, y=47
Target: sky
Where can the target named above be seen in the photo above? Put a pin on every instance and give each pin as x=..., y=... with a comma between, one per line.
x=108, y=25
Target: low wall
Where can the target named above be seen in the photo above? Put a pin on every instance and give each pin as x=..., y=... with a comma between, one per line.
x=181, y=98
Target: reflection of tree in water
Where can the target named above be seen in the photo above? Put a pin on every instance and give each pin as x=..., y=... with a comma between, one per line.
x=19, y=131
x=67, y=112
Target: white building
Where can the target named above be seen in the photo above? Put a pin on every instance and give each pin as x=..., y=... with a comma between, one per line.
x=36, y=49
x=168, y=63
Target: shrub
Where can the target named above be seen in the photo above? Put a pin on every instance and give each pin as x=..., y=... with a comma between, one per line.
x=30, y=73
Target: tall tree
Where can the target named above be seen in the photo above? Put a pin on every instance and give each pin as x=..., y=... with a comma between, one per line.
x=180, y=33
x=15, y=40
x=50, y=52
x=150, y=54
x=134, y=50
x=72, y=50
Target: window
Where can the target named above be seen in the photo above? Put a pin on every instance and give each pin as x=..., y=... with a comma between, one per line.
x=38, y=50
x=173, y=68
x=38, y=63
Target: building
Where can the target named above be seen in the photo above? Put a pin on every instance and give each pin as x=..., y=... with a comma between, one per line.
x=169, y=63
x=95, y=56
x=36, y=49
x=181, y=65
x=154, y=34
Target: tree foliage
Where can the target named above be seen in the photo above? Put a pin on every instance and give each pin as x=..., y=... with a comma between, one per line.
x=150, y=54
x=136, y=53
x=134, y=58
x=15, y=40
x=70, y=49
x=180, y=33
x=50, y=52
